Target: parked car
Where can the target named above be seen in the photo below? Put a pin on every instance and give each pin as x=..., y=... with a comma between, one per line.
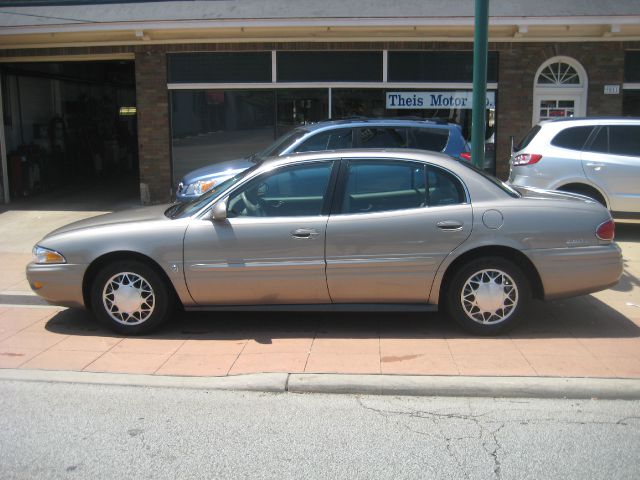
x=597, y=157
x=369, y=230
x=333, y=135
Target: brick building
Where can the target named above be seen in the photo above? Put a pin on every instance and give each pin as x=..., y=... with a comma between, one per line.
x=216, y=80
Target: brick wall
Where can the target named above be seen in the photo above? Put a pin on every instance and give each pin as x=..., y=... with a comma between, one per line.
x=154, y=146
x=518, y=64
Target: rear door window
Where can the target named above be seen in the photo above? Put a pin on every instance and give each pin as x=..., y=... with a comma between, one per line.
x=624, y=140
x=377, y=186
x=572, y=138
x=329, y=140
x=432, y=139
x=443, y=188
x=382, y=137
x=600, y=143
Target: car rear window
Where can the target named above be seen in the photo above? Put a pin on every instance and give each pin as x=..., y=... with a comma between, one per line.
x=572, y=138
x=527, y=138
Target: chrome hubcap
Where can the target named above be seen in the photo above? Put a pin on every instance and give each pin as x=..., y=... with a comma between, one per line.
x=128, y=298
x=489, y=296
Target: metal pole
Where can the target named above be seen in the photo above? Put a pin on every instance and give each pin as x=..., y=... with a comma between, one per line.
x=478, y=115
x=3, y=153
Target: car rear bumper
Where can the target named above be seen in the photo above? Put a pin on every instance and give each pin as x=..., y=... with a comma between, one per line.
x=567, y=272
x=59, y=284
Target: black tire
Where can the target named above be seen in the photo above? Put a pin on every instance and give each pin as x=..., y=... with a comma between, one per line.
x=494, y=315
x=143, y=285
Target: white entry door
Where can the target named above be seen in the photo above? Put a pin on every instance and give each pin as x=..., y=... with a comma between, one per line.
x=550, y=105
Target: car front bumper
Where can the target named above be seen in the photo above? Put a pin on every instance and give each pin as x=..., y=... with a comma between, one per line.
x=58, y=284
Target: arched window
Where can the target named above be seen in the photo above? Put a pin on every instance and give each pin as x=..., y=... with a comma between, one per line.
x=560, y=90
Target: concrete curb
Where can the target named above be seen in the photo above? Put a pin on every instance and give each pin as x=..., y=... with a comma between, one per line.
x=406, y=385
x=259, y=382
x=522, y=387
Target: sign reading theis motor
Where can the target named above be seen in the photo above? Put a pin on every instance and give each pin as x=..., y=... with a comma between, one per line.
x=435, y=100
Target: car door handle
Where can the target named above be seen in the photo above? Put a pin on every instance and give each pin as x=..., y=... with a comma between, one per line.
x=595, y=165
x=450, y=225
x=304, y=233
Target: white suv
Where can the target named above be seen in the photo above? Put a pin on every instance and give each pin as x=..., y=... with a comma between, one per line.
x=597, y=157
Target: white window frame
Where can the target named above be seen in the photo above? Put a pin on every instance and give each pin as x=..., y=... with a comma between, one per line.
x=578, y=92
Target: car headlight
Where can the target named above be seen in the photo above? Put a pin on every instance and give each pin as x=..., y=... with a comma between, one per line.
x=200, y=187
x=45, y=255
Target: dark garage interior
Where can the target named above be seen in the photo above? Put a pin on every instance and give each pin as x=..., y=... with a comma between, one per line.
x=71, y=132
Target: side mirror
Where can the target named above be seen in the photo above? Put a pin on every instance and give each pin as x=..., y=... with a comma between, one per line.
x=219, y=210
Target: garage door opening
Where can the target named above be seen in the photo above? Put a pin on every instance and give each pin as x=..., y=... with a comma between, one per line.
x=70, y=133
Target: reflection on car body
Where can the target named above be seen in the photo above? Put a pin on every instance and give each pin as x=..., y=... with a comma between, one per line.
x=400, y=229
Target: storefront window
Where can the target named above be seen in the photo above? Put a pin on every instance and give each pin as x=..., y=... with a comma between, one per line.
x=351, y=102
x=333, y=66
x=301, y=107
x=631, y=96
x=219, y=67
x=211, y=126
x=631, y=103
x=416, y=66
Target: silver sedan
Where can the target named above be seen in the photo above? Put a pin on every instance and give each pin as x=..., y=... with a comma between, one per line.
x=350, y=230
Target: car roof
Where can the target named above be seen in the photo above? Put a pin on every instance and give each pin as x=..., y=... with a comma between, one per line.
x=591, y=120
x=366, y=121
x=382, y=154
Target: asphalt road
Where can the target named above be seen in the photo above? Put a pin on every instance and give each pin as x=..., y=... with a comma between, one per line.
x=59, y=430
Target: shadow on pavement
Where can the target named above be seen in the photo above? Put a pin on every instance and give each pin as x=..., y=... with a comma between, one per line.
x=581, y=317
x=628, y=281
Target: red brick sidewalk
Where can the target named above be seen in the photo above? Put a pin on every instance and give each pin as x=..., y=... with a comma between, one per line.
x=590, y=336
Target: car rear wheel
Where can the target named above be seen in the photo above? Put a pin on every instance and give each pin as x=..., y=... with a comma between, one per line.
x=487, y=295
x=131, y=298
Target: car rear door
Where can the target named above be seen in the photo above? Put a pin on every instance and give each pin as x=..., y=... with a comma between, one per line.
x=391, y=226
x=612, y=162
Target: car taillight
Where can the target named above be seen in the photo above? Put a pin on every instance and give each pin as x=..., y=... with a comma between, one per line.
x=466, y=156
x=526, y=159
x=606, y=230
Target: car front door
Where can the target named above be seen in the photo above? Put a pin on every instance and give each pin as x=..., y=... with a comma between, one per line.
x=392, y=226
x=270, y=249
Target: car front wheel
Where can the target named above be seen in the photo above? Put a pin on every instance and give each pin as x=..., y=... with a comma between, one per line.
x=131, y=298
x=486, y=296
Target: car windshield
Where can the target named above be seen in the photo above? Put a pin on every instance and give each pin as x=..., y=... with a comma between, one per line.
x=497, y=182
x=280, y=145
x=182, y=210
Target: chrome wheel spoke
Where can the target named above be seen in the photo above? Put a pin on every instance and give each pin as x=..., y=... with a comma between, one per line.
x=128, y=298
x=489, y=296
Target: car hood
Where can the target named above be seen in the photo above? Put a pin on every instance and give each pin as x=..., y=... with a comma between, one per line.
x=217, y=170
x=143, y=214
